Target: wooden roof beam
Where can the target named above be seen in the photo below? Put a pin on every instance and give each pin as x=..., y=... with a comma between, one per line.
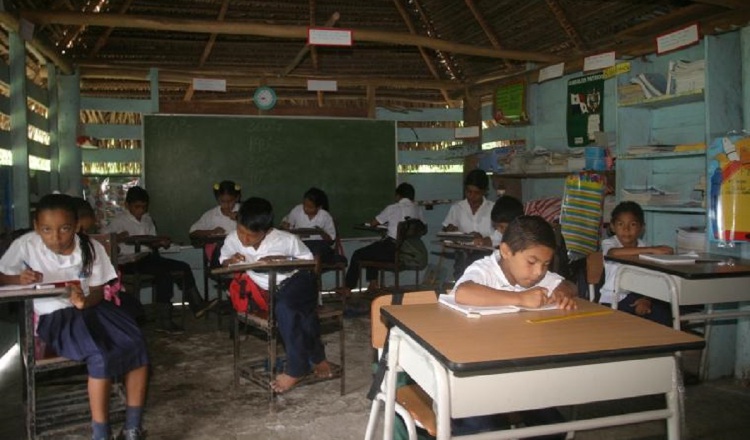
x=207, y=49
x=449, y=64
x=731, y=4
x=102, y=40
x=274, y=31
x=243, y=80
x=423, y=53
x=10, y=22
x=301, y=55
x=488, y=31
x=562, y=18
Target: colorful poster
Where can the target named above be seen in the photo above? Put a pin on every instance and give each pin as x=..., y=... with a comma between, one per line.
x=585, y=109
x=729, y=189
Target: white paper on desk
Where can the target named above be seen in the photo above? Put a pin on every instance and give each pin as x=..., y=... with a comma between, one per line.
x=450, y=301
x=670, y=259
x=27, y=286
x=172, y=249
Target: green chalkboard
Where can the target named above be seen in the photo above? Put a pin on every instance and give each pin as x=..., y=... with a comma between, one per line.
x=352, y=160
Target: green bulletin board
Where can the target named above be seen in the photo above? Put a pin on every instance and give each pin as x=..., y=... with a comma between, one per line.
x=509, y=103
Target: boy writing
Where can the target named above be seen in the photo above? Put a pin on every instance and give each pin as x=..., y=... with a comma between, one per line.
x=627, y=224
x=296, y=299
x=516, y=274
x=135, y=220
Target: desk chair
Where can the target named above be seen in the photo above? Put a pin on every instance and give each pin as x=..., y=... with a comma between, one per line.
x=221, y=282
x=260, y=371
x=137, y=281
x=594, y=273
x=338, y=266
x=412, y=403
x=60, y=402
x=408, y=231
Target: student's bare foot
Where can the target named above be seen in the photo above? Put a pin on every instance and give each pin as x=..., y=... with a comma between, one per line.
x=323, y=370
x=284, y=383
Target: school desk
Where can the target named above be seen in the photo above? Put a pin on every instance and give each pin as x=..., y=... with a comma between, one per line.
x=260, y=373
x=708, y=283
x=504, y=363
x=26, y=295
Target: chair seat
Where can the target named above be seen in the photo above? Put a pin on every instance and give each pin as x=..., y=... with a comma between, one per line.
x=257, y=318
x=419, y=405
x=54, y=363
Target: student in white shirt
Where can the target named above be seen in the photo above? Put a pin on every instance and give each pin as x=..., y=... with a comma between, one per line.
x=221, y=219
x=135, y=220
x=627, y=224
x=314, y=213
x=516, y=274
x=296, y=299
x=472, y=215
x=83, y=326
x=385, y=249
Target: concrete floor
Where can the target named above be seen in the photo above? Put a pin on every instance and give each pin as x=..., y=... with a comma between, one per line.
x=192, y=396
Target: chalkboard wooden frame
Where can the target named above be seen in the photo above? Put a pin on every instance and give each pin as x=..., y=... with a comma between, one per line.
x=353, y=160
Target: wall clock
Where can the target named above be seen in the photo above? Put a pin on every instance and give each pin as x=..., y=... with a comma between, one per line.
x=264, y=98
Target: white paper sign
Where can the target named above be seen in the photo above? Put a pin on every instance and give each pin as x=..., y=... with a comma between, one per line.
x=599, y=61
x=550, y=72
x=318, y=85
x=677, y=39
x=467, y=132
x=210, y=85
x=329, y=37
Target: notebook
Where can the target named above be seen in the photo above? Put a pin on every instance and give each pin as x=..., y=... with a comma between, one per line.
x=450, y=301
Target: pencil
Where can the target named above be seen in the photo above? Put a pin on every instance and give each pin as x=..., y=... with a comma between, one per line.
x=570, y=316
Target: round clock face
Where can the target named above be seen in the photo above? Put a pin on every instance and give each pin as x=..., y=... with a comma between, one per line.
x=264, y=98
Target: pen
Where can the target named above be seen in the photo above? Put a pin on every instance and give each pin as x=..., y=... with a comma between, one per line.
x=570, y=316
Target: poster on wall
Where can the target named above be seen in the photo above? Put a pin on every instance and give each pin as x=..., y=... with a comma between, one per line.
x=509, y=103
x=728, y=195
x=585, y=109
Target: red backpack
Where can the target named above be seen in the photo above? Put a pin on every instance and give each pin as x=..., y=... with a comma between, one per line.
x=242, y=288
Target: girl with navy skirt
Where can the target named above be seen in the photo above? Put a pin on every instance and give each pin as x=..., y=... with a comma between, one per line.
x=81, y=327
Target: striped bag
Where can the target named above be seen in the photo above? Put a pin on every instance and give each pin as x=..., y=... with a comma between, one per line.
x=581, y=214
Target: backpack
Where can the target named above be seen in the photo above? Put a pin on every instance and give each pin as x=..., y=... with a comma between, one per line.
x=241, y=289
x=412, y=252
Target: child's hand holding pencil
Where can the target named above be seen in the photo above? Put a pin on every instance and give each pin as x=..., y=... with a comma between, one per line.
x=29, y=275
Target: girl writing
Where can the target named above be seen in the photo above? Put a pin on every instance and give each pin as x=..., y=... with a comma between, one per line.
x=219, y=220
x=81, y=327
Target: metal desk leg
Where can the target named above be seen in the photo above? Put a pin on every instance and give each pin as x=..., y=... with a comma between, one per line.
x=390, y=382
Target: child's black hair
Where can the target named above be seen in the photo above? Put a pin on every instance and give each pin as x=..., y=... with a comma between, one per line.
x=83, y=208
x=527, y=231
x=226, y=187
x=136, y=194
x=477, y=178
x=629, y=207
x=63, y=202
x=318, y=197
x=256, y=214
x=506, y=209
x=406, y=191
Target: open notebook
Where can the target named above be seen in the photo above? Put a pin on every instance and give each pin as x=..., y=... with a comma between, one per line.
x=688, y=258
x=450, y=301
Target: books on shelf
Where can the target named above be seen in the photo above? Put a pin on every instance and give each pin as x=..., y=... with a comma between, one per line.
x=686, y=76
x=450, y=301
x=652, y=84
x=650, y=196
x=635, y=150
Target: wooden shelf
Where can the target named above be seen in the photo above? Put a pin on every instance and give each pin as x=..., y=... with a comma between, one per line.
x=665, y=155
x=547, y=175
x=667, y=100
x=674, y=208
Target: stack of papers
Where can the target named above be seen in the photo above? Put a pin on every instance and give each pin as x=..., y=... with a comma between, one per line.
x=450, y=301
x=686, y=76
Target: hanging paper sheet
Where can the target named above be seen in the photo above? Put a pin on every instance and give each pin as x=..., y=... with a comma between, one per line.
x=728, y=192
x=581, y=214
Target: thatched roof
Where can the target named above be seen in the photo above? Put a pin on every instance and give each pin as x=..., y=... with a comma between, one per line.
x=406, y=52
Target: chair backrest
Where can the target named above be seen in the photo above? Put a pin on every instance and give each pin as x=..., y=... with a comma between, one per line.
x=411, y=252
x=378, y=329
x=594, y=272
x=109, y=241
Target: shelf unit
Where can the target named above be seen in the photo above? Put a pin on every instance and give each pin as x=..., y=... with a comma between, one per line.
x=687, y=118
